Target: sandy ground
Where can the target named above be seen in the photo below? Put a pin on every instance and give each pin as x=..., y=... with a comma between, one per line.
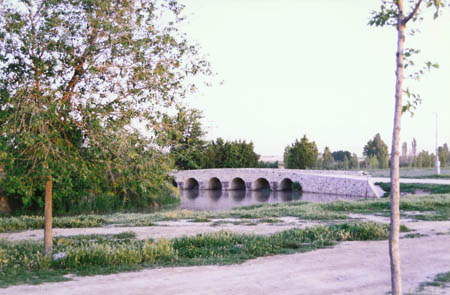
x=167, y=229
x=348, y=268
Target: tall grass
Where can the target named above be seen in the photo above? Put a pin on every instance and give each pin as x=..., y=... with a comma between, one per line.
x=112, y=253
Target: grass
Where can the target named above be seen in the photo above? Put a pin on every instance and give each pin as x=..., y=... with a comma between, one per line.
x=434, y=207
x=24, y=262
x=410, y=172
x=412, y=187
x=441, y=280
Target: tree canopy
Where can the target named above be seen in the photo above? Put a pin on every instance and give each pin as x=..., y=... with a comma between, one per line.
x=376, y=148
x=230, y=154
x=300, y=154
x=75, y=79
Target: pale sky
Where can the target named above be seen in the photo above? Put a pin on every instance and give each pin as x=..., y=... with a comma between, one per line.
x=314, y=67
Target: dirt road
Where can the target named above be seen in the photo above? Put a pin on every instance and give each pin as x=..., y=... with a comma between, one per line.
x=349, y=268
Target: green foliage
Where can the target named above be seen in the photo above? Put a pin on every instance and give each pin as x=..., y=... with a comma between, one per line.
x=376, y=152
x=296, y=186
x=75, y=77
x=412, y=187
x=328, y=159
x=113, y=253
x=230, y=154
x=301, y=154
x=262, y=164
x=183, y=134
x=8, y=224
x=444, y=155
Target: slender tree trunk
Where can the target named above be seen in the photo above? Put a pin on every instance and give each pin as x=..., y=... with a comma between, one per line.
x=394, y=253
x=48, y=215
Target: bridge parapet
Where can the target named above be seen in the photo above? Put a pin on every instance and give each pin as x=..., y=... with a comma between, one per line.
x=327, y=182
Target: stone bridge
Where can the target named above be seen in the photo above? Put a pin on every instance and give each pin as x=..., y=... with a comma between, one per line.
x=254, y=179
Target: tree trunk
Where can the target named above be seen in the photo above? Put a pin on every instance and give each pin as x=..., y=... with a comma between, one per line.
x=48, y=215
x=394, y=254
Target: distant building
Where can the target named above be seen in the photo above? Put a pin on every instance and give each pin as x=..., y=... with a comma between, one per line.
x=271, y=159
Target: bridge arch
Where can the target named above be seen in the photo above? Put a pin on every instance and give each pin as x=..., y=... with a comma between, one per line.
x=260, y=184
x=285, y=185
x=237, y=184
x=191, y=183
x=214, y=184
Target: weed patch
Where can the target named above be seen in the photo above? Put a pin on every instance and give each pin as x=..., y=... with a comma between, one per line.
x=24, y=262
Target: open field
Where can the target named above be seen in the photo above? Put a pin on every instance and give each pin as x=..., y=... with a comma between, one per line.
x=412, y=173
x=355, y=261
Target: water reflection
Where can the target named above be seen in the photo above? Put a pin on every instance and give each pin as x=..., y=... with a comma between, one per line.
x=216, y=200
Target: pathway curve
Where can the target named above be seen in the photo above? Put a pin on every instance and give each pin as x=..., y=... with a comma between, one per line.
x=349, y=268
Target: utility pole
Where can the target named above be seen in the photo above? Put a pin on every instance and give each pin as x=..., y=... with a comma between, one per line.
x=437, y=168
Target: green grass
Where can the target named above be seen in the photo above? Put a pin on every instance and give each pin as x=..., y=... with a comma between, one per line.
x=410, y=172
x=412, y=187
x=436, y=207
x=442, y=280
x=24, y=262
x=8, y=224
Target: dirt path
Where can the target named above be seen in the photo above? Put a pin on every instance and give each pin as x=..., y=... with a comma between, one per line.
x=349, y=268
x=167, y=229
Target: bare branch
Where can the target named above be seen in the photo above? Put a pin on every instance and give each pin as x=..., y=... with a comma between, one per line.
x=413, y=13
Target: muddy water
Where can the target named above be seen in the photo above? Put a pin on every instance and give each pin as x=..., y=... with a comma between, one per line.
x=216, y=200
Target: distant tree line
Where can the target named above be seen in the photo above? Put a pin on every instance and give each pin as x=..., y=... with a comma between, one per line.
x=423, y=159
x=189, y=150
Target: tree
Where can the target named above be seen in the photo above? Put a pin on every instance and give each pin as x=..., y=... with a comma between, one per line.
x=230, y=154
x=354, y=162
x=393, y=14
x=377, y=148
x=444, y=155
x=328, y=161
x=183, y=134
x=340, y=155
x=301, y=154
x=76, y=74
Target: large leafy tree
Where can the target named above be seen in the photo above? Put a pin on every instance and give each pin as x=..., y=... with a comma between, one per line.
x=301, y=154
x=230, y=154
x=400, y=14
x=328, y=159
x=76, y=73
x=184, y=135
x=378, y=149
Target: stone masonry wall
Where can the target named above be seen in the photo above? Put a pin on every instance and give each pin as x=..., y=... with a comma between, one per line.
x=326, y=182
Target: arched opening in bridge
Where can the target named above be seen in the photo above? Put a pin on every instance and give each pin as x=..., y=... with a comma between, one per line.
x=261, y=184
x=174, y=183
x=285, y=185
x=214, y=184
x=237, y=184
x=190, y=184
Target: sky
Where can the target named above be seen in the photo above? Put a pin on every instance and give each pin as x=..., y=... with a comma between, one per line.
x=314, y=67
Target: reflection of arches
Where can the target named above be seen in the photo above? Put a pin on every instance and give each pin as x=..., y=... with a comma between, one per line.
x=237, y=184
x=261, y=195
x=237, y=195
x=261, y=184
x=214, y=184
x=214, y=195
x=191, y=194
x=285, y=185
x=285, y=196
x=191, y=183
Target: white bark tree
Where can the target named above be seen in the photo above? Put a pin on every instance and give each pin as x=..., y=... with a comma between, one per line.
x=393, y=13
